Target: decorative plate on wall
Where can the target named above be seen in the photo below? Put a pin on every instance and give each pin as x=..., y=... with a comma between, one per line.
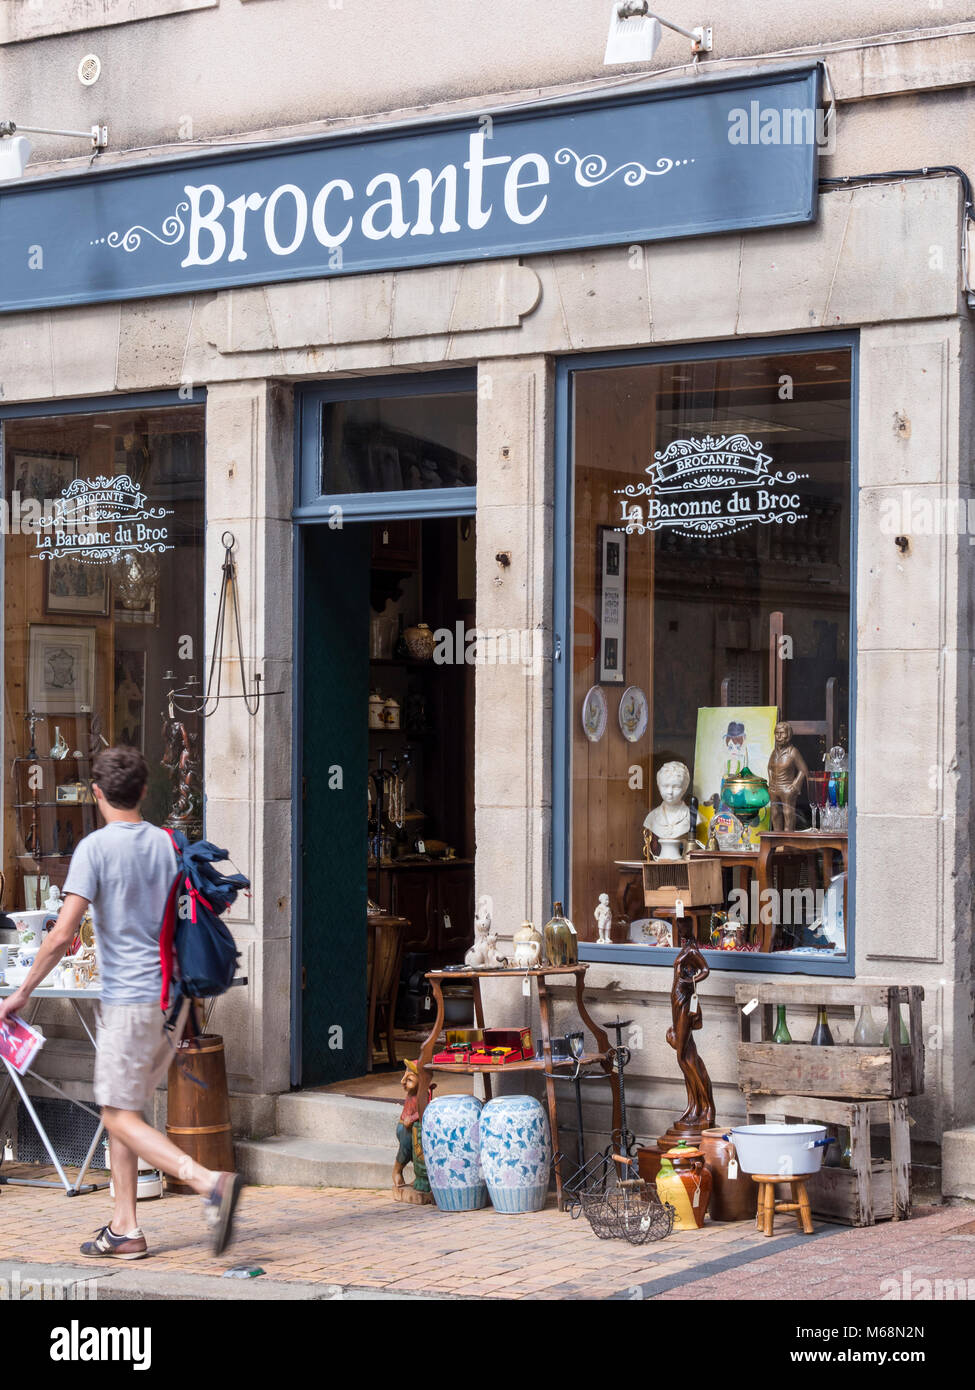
x=634, y=713
x=595, y=714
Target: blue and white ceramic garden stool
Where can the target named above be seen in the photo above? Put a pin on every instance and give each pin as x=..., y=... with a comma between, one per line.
x=516, y=1153
x=451, y=1148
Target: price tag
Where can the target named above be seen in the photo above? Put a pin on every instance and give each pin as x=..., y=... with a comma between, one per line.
x=428, y=1003
x=526, y=987
x=679, y=907
x=750, y=1007
x=693, y=1003
x=732, y=1170
x=697, y=1198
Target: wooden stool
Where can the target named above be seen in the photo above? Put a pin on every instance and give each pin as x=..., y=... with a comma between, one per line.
x=768, y=1206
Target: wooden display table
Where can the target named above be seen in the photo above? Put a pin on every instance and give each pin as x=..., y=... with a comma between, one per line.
x=807, y=842
x=603, y=1054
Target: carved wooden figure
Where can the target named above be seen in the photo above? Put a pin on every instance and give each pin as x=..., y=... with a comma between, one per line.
x=410, y=1150
x=689, y=970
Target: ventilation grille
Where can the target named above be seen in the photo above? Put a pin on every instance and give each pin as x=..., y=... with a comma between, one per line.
x=89, y=70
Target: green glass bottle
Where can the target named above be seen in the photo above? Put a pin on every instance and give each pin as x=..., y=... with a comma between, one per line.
x=905, y=1035
x=822, y=1037
x=561, y=942
x=781, y=1034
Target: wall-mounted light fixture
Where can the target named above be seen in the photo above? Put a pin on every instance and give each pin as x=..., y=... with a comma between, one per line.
x=635, y=33
x=16, y=150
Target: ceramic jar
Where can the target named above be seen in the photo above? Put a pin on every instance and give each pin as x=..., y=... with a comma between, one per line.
x=377, y=706
x=732, y=1198
x=516, y=1153
x=452, y=1150
x=419, y=642
x=684, y=1181
x=527, y=943
x=391, y=714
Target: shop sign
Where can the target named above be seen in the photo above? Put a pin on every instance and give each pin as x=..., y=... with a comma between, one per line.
x=97, y=520
x=637, y=167
x=710, y=487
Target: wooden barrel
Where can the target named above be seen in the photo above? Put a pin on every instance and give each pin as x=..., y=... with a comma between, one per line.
x=198, y=1117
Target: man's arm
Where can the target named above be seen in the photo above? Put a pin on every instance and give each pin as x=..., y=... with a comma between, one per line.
x=57, y=941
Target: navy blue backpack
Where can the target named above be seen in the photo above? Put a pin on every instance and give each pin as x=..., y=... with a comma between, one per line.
x=193, y=937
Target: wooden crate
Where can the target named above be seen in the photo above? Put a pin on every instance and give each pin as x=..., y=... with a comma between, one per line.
x=800, y=1069
x=872, y=1188
x=697, y=882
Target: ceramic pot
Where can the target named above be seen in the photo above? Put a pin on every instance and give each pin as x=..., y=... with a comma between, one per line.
x=516, y=1153
x=732, y=1199
x=452, y=1150
x=527, y=943
x=419, y=642
x=684, y=1181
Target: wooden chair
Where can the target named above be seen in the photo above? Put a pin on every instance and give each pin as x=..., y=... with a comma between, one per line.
x=385, y=955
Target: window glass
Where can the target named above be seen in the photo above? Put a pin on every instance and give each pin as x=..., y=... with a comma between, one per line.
x=711, y=600
x=399, y=443
x=103, y=616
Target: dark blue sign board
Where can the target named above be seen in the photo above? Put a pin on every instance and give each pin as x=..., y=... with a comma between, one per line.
x=722, y=156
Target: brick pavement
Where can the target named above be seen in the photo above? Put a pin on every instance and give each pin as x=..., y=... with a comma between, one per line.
x=365, y=1240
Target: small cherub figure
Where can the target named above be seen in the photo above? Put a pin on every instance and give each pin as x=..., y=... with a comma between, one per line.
x=604, y=917
x=408, y=1132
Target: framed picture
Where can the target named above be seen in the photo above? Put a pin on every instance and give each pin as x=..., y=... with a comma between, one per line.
x=42, y=476
x=130, y=698
x=61, y=669
x=73, y=587
x=611, y=569
x=730, y=738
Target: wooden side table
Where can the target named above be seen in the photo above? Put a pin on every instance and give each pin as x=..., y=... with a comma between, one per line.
x=603, y=1055
x=806, y=842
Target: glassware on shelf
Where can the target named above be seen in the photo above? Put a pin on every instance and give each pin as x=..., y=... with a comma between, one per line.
x=905, y=1035
x=867, y=1032
x=816, y=786
x=781, y=1034
x=561, y=941
x=822, y=1037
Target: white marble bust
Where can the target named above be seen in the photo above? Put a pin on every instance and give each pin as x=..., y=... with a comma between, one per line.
x=671, y=820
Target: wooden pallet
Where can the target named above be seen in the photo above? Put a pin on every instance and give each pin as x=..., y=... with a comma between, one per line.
x=872, y=1188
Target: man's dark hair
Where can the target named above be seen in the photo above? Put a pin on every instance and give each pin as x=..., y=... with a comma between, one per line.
x=122, y=774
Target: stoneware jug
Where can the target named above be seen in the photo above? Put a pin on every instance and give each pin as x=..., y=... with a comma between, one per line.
x=684, y=1181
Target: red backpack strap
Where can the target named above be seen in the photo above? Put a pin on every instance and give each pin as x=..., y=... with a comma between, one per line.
x=167, y=932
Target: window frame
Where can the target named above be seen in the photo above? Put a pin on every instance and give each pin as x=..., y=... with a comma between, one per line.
x=566, y=368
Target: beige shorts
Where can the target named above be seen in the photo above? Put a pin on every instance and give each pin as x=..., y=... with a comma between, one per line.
x=133, y=1053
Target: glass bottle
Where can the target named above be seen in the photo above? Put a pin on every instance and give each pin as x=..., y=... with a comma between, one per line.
x=781, y=1034
x=822, y=1037
x=400, y=650
x=561, y=942
x=867, y=1030
x=905, y=1035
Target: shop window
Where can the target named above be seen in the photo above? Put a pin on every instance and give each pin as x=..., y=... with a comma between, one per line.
x=103, y=617
x=400, y=443
x=710, y=604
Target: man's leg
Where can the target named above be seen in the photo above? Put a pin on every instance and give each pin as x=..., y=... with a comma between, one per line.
x=125, y=1175
x=141, y=1139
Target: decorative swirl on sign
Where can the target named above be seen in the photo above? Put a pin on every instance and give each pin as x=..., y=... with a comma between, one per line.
x=172, y=231
x=591, y=169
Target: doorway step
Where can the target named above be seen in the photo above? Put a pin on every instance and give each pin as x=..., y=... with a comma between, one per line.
x=324, y=1140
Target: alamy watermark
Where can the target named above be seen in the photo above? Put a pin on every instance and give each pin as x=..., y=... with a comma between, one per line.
x=756, y=124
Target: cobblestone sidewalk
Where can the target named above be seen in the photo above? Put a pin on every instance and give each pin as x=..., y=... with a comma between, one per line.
x=364, y=1240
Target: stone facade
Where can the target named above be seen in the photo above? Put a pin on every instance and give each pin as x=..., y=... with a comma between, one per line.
x=883, y=259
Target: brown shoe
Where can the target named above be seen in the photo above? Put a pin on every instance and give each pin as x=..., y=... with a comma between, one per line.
x=107, y=1245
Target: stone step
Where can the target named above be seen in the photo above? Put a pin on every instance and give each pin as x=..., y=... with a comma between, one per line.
x=338, y=1119
x=286, y=1160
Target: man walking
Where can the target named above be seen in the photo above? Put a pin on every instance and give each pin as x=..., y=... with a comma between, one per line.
x=125, y=871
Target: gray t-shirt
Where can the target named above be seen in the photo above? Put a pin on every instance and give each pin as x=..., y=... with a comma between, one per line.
x=126, y=870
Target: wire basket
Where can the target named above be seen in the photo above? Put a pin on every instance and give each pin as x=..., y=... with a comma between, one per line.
x=627, y=1209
